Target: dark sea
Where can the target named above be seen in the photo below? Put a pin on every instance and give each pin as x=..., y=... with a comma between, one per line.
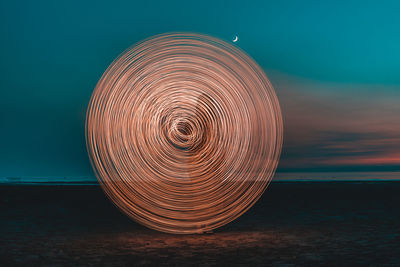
x=332, y=223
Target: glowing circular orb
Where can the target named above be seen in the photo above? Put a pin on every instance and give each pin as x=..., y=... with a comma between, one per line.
x=184, y=132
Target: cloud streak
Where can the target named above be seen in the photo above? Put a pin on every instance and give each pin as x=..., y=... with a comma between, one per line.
x=332, y=126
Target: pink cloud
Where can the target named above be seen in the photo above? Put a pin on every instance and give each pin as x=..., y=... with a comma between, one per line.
x=330, y=124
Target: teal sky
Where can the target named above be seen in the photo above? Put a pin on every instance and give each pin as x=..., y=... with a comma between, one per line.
x=335, y=66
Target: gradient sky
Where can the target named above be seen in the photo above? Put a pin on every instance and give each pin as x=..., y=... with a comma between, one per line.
x=335, y=66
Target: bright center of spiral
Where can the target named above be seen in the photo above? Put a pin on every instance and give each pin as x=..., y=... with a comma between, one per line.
x=183, y=134
x=184, y=128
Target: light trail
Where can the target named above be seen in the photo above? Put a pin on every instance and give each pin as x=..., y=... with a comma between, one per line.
x=184, y=132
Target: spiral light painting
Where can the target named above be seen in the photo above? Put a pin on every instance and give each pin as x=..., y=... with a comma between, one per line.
x=184, y=132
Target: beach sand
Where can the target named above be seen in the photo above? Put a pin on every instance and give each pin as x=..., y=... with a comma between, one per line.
x=300, y=223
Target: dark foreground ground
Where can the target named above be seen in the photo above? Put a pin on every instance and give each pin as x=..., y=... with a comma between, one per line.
x=305, y=223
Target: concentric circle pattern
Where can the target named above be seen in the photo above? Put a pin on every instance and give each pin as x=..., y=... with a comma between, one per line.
x=184, y=132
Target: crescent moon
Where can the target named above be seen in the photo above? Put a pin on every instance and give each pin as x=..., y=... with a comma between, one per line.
x=236, y=39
